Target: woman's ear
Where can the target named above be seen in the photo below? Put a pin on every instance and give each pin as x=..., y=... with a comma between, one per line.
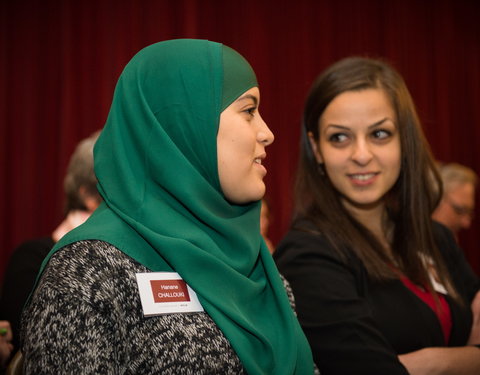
x=89, y=201
x=315, y=148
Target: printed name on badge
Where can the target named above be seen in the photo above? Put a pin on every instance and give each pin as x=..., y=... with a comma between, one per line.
x=169, y=291
x=166, y=293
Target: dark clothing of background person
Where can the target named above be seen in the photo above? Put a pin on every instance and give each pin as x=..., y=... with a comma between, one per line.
x=358, y=326
x=20, y=275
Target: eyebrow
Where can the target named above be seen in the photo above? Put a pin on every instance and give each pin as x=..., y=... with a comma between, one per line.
x=249, y=96
x=378, y=123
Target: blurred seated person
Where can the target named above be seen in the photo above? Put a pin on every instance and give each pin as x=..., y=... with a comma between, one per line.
x=457, y=205
x=265, y=224
x=81, y=199
x=6, y=346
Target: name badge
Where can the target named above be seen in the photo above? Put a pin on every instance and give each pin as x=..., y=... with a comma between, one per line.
x=438, y=287
x=166, y=293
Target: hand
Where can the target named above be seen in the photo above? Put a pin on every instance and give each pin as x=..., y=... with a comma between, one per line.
x=6, y=346
x=474, y=338
x=463, y=360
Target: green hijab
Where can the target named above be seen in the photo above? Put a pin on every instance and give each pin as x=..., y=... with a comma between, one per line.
x=156, y=164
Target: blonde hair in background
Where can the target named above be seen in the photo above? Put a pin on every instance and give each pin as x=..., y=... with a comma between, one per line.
x=80, y=178
x=456, y=174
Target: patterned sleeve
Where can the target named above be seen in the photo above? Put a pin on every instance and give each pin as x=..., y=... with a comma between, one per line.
x=290, y=296
x=66, y=327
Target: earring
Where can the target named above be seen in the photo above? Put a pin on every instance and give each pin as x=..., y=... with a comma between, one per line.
x=321, y=169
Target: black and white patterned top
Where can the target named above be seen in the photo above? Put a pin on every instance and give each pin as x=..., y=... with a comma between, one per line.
x=85, y=317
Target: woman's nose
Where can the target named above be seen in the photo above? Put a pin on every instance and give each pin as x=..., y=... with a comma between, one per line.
x=264, y=134
x=361, y=152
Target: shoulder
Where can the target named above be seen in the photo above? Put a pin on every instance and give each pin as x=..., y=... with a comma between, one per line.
x=305, y=257
x=304, y=241
x=88, y=270
x=301, y=238
x=27, y=258
x=37, y=247
x=442, y=234
x=446, y=242
x=93, y=254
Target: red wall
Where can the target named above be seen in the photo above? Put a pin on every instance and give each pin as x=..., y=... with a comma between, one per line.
x=59, y=61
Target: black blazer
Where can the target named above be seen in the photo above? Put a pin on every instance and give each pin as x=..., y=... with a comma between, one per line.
x=357, y=326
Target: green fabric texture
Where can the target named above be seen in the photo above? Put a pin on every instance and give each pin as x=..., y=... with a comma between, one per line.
x=237, y=74
x=156, y=163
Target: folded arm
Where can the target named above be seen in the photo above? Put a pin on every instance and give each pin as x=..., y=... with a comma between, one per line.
x=443, y=361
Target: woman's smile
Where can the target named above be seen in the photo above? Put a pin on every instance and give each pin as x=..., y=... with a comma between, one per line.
x=363, y=179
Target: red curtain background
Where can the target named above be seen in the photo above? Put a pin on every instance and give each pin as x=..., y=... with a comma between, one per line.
x=59, y=62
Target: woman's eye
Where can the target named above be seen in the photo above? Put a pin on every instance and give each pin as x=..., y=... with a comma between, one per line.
x=381, y=134
x=251, y=111
x=338, y=138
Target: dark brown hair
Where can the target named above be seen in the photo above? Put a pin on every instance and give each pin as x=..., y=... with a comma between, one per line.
x=409, y=203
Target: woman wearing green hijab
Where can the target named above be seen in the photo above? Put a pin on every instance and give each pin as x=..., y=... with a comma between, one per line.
x=170, y=274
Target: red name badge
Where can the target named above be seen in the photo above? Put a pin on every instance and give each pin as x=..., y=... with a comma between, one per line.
x=166, y=293
x=169, y=291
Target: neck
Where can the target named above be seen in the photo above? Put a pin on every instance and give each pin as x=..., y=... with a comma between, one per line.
x=375, y=219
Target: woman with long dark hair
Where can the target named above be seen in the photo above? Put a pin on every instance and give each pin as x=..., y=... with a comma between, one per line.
x=379, y=287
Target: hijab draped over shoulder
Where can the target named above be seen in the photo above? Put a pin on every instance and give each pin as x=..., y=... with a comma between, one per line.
x=156, y=164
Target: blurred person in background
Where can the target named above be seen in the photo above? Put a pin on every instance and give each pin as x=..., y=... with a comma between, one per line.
x=81, y=199
x=456, y=208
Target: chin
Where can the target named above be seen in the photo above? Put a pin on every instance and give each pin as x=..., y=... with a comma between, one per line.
x=245, y=192
x=261, y=192
x=254, y=196
x=363, y=203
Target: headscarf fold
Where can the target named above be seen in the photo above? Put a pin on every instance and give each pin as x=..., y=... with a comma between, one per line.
x=156, y=163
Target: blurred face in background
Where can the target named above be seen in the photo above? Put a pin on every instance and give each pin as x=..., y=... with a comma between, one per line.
x=456, y=209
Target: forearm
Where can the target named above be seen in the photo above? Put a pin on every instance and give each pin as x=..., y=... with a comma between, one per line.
x=474, y=338
x=443, y=361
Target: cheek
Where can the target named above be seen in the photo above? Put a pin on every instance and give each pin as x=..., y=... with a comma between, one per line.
x=231, y=163
x=334, y=171
x=242, y=149
x=226, y=160
x=333, y=159
x=236, y=154
x=394, y=159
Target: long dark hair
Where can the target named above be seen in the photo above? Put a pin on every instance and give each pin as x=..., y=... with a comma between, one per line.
x=410, y=202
